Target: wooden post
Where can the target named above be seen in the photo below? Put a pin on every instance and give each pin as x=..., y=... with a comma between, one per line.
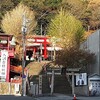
x=40, y=84
x=45, y=48
x=52, y=82
x=73, y=83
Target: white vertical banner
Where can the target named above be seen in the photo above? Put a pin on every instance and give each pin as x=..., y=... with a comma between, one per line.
x=3, y=65
x=16, y=88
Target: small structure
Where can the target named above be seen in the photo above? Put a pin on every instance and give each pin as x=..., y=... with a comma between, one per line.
x=94, y=85
x=72, y=72
x=6, y=53
x=8, y=86
x=37, y=47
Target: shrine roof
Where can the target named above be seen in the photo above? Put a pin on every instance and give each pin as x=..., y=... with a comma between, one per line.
x=5, y=36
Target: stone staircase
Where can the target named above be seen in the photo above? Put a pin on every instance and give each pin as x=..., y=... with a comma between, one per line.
x=45, y=84
x=62, y=85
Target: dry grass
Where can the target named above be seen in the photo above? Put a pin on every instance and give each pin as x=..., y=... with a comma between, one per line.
x=35, y=68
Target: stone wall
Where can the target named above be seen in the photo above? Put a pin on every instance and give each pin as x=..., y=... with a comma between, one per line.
x=82, y=90
x=7, y=88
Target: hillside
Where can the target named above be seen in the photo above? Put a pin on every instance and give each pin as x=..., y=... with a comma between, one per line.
x=35, y=68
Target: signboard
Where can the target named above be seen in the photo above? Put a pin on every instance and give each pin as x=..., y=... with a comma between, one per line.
x=3, y=65
x=40, y=84
x=81, y=79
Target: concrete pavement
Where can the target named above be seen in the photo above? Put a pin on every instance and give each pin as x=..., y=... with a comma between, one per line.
x=47, y=97
x=14, y=97
x=65, y=97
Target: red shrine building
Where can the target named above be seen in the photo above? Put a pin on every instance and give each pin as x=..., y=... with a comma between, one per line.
x=36, y=47
x=6, y=53
x=40, y=47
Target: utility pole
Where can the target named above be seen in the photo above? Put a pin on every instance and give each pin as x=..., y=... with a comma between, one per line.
x=24, y=30
x=41, y=29
x=41, y=46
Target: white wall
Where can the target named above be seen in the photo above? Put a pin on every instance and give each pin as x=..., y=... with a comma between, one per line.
x=93, y=45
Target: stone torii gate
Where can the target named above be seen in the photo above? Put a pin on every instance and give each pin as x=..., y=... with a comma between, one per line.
x=72, y=71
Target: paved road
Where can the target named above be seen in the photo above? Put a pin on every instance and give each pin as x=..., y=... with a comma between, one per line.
x=55, y=97
x=64, y=97
x=12, y=97
x=67, y=98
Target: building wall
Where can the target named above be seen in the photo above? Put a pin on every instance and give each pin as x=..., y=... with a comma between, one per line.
x=82, y=90
x=93, y=45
